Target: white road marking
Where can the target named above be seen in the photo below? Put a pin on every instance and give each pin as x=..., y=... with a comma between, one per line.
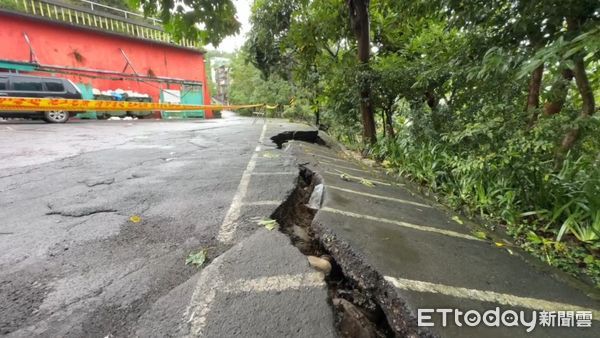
x=274, y=173
x=202, y=299
x=328, y=157
x=258, y=203
x=233, y=214
x=205, y=294
x=403, y=224
x=198, y=317
x=379, y=196
x=358, y=178
x=343, y=167
x=276, y=283
x=487, y=296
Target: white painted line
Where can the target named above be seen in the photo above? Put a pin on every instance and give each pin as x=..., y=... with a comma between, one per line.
x=487, y=296
x=277, y=283
x=378, y=196
x=343, y=167
x=202, y=299
x=274, y=173
x=198, y=317
x=233, y=214
x=258, y=203
x=329, y=157
x=358, y=178
x=206, y=291
x=403, y=224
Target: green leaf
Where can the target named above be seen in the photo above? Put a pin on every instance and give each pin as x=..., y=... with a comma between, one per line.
x=589, y=259
x=480, y=234
x=366, y=182
x=197, y=258
x=135, y=219
x=457, y=220
x=269, y=224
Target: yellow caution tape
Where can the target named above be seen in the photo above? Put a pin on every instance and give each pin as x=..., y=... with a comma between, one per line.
x=271, y=107
x=26, y=104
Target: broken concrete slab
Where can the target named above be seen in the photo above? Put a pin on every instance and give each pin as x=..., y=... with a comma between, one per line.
x=412, y=255
x=263, y=286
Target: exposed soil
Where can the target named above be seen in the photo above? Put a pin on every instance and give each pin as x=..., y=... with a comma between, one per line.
x=357, y=312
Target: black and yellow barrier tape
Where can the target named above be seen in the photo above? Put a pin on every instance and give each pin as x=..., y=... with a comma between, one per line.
x=26, y=104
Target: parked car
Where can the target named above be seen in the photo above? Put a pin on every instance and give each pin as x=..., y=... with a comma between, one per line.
x=38, y=86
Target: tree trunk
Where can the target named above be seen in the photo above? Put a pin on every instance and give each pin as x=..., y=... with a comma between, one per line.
x=533, y=96
x=585, y=90
x=587, y=96
x=384, y=123
x=432, y=100
x=359, y=20
x=558, y=92
x=389, y=123
x=432, y=103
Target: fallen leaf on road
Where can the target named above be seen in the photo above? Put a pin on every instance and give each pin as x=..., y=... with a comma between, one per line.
x=480, y=234
x=135, y=219
x=197, y=258
x=499, y=244
x=269, y=224
x=457, y=220
x=366, y=182
x=350, y=178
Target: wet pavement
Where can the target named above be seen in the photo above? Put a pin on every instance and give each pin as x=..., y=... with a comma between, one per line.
x=74, y=263
x=381, y=229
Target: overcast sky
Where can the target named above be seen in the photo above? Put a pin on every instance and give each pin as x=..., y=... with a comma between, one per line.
x=230, y=44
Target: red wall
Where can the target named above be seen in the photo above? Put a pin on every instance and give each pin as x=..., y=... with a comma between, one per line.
x=54, y=44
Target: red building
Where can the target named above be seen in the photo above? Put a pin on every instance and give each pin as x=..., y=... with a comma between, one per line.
x=101, y=51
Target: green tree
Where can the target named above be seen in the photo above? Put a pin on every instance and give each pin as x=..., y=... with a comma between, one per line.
x=248, y=86
x=208, y=21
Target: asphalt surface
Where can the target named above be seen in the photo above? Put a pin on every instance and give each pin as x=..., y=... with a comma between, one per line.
x=97, y=219
x=411, y=250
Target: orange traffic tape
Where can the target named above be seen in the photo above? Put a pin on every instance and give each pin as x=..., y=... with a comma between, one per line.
x=26, y=104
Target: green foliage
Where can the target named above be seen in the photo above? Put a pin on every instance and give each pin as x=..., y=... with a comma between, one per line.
x=9, y=4
x=208, y=21
x=248, y=87
x=451, y=79
x=197, y=259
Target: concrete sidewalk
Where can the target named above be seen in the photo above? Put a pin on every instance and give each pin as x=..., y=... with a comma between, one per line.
x=413, y=255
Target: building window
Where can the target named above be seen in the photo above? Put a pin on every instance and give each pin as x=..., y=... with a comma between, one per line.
x=3, y=84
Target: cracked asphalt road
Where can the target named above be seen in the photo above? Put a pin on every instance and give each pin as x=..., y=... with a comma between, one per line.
x=71, y=261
